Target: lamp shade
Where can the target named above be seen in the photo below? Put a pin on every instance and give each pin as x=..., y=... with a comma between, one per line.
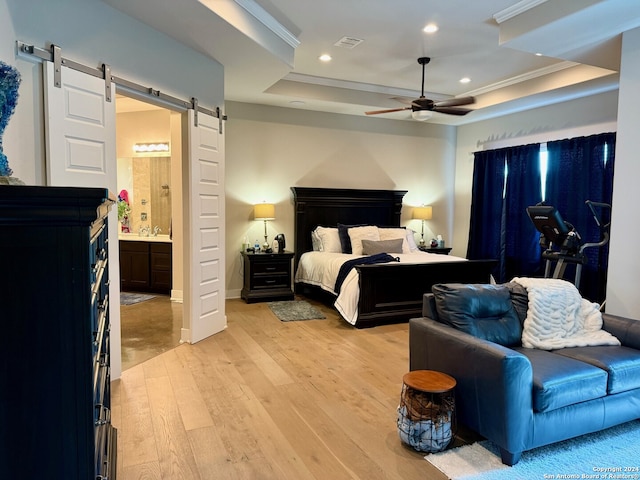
x=422, y=213
x=264, y=211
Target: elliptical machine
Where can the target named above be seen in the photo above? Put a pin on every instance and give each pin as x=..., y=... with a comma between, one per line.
x=562, y=243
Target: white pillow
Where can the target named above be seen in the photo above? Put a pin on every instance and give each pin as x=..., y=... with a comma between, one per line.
x=395, y=234
x=328, y=239
x=316, y=242
x=411, y=240
x=357, y=234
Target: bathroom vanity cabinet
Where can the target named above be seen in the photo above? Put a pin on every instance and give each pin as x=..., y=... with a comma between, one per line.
x=55, y=382
x=145, y=266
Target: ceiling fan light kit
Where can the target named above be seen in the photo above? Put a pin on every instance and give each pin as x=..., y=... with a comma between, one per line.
x=421, y=115
x=422, y=108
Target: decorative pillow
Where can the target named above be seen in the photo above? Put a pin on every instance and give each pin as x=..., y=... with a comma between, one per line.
x=345, y=241
x=357, y=234
x=371, y=247
x=316, y=244
x=482, y=310
x=393, y=234
x=328, y=239
x=411, y=240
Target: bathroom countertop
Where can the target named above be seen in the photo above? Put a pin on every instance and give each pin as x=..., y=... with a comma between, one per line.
x=137, y=238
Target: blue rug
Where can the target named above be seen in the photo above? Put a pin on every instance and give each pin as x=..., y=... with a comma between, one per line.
x=611, y=454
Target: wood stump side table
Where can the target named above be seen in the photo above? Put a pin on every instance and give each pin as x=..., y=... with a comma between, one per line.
x=427, y=411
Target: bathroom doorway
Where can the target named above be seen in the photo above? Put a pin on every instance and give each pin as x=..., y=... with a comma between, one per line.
x=149, y=158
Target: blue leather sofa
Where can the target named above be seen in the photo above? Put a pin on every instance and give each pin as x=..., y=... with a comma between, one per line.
x=522, y=398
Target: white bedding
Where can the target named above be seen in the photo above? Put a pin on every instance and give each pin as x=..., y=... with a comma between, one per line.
x=321, y=269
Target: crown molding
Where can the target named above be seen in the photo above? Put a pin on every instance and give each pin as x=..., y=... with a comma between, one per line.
x=515, y=10
x=541, y=72
x=268, y=21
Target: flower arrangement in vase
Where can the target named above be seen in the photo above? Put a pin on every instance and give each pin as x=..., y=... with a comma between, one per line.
x=9, y=83
x=124, y=210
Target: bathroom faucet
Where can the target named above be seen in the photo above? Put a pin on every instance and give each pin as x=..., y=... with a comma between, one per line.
x=156, y=230
x=143, y=231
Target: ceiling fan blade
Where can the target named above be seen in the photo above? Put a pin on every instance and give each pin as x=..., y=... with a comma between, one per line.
x=376, y=112
x=405, y=100
x=425, y=105
x=452, y=110
x=456, y=102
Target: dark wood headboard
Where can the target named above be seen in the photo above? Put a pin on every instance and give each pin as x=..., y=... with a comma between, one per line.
x=329, y=206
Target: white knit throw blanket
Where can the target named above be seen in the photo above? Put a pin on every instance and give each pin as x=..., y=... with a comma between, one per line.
x=558, y=317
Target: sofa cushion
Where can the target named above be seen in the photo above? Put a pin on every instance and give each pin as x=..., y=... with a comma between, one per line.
x=482, y=310
x=559, y=381
x=622, y=364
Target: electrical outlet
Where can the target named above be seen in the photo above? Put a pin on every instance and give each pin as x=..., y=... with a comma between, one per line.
x=143, y=217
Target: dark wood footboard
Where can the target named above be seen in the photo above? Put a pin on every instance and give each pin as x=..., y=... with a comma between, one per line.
x=393, y=293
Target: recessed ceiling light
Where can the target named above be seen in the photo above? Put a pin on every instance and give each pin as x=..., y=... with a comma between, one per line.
x=538, y=54
x=325, y=57
x=430, y=28
x=296, y=102
x=465, y=80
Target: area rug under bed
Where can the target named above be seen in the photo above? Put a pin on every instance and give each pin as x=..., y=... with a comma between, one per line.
x=294, y=310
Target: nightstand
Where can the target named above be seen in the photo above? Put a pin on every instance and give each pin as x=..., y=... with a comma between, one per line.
x=267, y=276
x=438, y=250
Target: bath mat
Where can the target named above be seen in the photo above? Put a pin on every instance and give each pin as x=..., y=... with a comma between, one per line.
x=133, y=298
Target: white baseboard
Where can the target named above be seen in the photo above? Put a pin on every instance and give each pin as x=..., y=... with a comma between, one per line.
x=185, y=335
x=177, y=296
x=235, y=293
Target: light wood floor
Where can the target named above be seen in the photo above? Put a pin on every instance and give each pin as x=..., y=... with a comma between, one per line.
x=266, y=399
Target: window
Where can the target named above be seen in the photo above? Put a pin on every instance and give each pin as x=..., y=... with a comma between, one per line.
x=562, y=173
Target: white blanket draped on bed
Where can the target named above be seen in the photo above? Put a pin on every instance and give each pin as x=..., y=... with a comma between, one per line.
x=321, y=269
x=558, y=317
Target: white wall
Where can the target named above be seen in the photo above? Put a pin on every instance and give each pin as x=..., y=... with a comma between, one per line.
x=624, y=256
x=270, y=149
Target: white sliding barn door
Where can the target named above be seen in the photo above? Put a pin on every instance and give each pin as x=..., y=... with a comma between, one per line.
x=204, y=230
x=81, y=152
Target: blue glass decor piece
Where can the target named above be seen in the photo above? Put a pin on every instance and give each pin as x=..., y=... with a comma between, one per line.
x=9, y=83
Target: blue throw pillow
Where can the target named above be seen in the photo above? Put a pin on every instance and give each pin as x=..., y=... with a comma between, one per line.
x=482, y=310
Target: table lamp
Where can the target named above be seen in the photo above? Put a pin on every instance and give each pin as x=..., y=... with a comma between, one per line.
x=264, y=211
x=422, y=213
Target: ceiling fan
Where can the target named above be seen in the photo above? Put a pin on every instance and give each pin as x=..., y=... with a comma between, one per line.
x=421, y=106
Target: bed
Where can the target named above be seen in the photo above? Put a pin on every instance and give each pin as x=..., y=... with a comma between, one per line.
x=387, y=292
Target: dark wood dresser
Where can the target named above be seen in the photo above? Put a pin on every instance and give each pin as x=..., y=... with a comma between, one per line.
x=267, y=276
x=54, y=346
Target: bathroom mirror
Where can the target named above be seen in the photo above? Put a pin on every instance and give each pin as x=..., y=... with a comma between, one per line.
x=146, y=182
